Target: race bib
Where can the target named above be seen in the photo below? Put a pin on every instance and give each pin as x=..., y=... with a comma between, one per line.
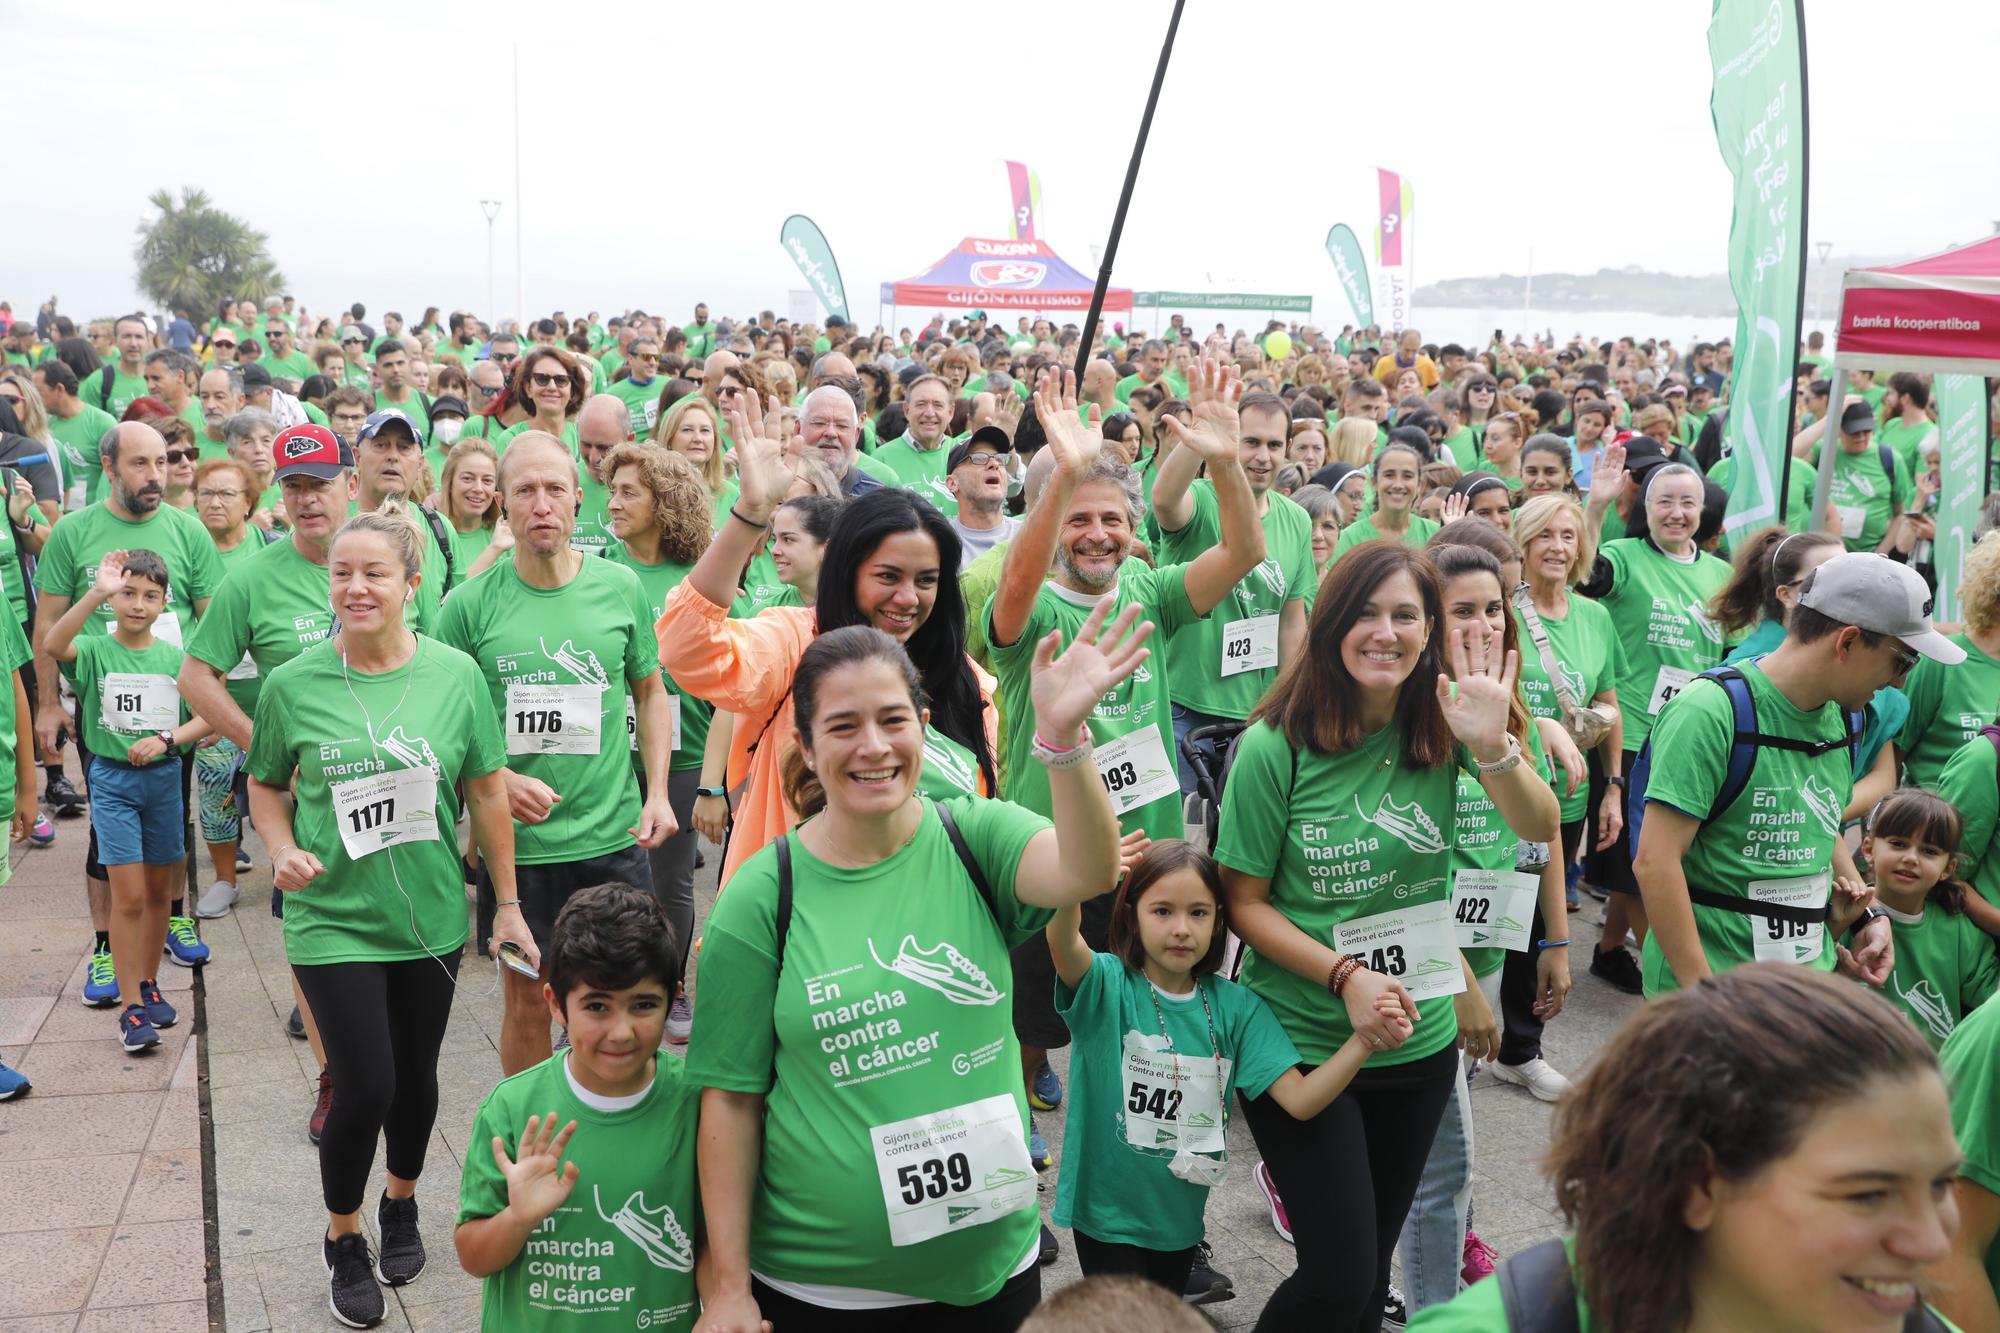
x=1853, y=518
x=244, y=670
x=168, y=628
x=1493, y=909
x=1415, y=945
x=1167, y=1113
x=133, y=701
x=1135, y=770
x=1671, y=681
x=953, y=1169
x=632, y=721
x=554, y=719
x=383, y=809
x=1790, y=941
x=1250, y=644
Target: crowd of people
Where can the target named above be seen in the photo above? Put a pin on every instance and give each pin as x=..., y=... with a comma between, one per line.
x=1250, y=715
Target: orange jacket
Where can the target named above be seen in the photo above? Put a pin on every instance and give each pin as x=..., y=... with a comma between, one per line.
x=746, y=667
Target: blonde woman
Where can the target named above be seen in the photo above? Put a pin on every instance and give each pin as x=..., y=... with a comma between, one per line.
x=691, y=429
x=469, y=499
x=1352, y=442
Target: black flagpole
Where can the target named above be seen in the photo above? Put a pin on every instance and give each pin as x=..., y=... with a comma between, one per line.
x=1125, y=197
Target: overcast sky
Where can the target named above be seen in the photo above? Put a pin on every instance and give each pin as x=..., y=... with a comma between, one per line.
x=663, y=144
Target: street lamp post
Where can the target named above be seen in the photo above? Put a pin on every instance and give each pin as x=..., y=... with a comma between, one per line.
x=491, y=208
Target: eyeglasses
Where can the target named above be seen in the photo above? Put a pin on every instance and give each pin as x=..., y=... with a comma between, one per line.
x=983, y=459
x=484, y=391
x=205, y=495
x=543, y=379
x=181, y=455
x=505, y=359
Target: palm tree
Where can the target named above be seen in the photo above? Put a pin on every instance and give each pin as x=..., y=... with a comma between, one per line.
x=194, y=254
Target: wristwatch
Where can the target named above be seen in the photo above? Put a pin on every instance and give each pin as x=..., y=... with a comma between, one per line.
x=166, y=738
x=711, y=791
x=1616, y=780
x=1867, y=915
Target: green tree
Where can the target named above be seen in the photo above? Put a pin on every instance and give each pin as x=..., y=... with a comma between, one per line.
x=193, y=254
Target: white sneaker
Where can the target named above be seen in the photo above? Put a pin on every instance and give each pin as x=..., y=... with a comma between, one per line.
x=1537, y=1076
x=221, y=896
x=680, y=1021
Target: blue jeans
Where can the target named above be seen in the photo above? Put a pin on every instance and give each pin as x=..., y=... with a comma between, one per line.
x=1185, y=721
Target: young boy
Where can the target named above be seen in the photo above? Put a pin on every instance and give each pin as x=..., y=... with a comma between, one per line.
x=133, y=722
x=608, y=1238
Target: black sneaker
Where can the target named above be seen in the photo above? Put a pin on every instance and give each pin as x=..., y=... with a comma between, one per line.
x=1395, y=1311
x=64, y=799
x=1205, y=1286
x=402, y=1256
x=1049, y=1247
x=295, y=1026
x=1617, y=966
x=352, y=1294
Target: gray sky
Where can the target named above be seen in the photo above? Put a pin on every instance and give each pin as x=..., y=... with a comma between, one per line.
x=361, y=137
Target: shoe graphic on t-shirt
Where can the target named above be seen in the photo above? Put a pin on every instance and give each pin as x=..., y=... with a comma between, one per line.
x=1924, y=1000
x=581, y=663
x=944, y=969
x=1824, y=803
x=654, y=1230
x=413, y=752
x=1407, y=822
x=1005, y=1175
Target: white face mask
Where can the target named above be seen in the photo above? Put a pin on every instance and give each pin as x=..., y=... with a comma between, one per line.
x=447, y=431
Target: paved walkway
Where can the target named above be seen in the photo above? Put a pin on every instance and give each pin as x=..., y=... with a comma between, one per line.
x=78, y=1177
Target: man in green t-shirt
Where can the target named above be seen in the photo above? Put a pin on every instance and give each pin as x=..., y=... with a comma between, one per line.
x=170, y=377
x=130, y=517
x=1866, y=491
x=77, y=426
x=113, y=388
x=462, y=345
x=602, y=424
x=1906, y=421
x=1152, y=370
x=392, y=364
x=700, y=333
x=1218, y=667
x=1755, y=879
x=918, y=456
x=282, y=356
x=1072, y=550
x=216, y=392
x=562, y=639
x=640, y=390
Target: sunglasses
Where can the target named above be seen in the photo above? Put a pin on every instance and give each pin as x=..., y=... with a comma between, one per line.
x=182, y=455
x=344, y=342
x=223, y=342
x=485, y=392
x=544, y=380
x=507, y=360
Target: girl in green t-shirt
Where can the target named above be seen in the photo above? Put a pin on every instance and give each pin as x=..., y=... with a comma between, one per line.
x=1945, y=964
x=1797, y=1172
x=1397, y=478
x=1161, y=1040
x=865, y=1125
x=1336, y=867
x=469, y=494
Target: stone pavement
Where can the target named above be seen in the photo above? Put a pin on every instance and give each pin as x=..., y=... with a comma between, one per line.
x=76, y=1174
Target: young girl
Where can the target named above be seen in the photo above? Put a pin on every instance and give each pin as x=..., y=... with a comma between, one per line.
x=1161, y=1040
x=1545, y=467
x=1945, y=965
x=1503, y=440
x=1397, y=478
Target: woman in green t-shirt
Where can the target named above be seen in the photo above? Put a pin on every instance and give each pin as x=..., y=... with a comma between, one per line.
x=692, y=429
x=1796, y=1173
x=358, y=746
x=469, y=499
x=1397, y=477
x=864, y=1129
x=1335, y=838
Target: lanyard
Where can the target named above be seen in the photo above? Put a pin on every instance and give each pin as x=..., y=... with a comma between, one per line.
x=1214, y=1047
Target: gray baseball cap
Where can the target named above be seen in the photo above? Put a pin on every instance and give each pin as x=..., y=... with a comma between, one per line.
x=1875, y=593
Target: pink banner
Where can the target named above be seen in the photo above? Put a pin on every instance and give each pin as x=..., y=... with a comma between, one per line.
x=1021, y=182
x=1389, y=236
x=1930, y=323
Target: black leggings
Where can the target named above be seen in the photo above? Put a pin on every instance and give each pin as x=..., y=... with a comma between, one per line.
x=1002, y=1312
x=1347, y=1177
x=384, y=1070
x=1521, y=1027
x=1169, y=1268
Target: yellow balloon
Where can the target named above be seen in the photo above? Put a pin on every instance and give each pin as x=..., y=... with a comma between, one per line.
x=1278, y=345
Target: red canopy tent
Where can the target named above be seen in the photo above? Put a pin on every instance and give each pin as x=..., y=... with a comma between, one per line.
x=1937, y=316
x=1009, y=275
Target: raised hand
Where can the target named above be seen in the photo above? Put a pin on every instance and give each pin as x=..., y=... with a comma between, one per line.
x=1065, y=688
x=1477, y=710
x=110, y=573
x=763, y=470
x=1454, y=507
x=1213, y=391
x=1007, y=409
x=1076, y=444
x=538, y=1180
x=1609, y=479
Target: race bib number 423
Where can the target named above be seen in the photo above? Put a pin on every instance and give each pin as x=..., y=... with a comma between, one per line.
x=953, y=1169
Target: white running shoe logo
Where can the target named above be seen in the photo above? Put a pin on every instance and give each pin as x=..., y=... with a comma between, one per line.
x=953, y=976
x=582, y=664
x=1407, y=822
x=654, y=1230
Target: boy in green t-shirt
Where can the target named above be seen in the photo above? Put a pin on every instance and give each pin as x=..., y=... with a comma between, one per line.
x=132, y=718
x=608, y=1239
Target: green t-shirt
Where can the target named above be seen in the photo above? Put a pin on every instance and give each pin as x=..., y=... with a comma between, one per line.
x=11, y=576
x=701, y=338
x=1138, y=1044
x=1775, y=841
x=1363, y=529
x=1659, y=611
x=895, y=1028
x=655, y=582
x=620, y=1253
x=1948, y=706
x=874, y=467
x=411, y=407
x=761, y=586
x=1906, y=441
x=559, y=663
x=274, y=605
x=1175, y=386
x=1137, y=712
x=68, y=566
x=298, y=366
x=1463, y=445
x=1480, y=1308
x=1945, y=968
x=1971, y=1060
x=469, y=546
x=394, y=886
x=1968, y=782
x=1866, y=496
x=1883, y=717
x=592, y=532
x=125, y=389
x=1344, y=837
x=1589, y=655
x=506, y=437
x=242, y=680
x=1484, y=842
x=642, y=403
x=14, y=654
x=949, y=769
x=1208, y=661
x=78, y=438
x=124, y=694
x=919, y=470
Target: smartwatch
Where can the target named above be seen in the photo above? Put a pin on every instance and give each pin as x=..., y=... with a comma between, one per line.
x=1616, y=780
x=1867, y=915
x=711, y=791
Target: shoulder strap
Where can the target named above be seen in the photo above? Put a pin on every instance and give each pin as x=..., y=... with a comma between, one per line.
x=972, y=867
x=1538, y=1291
x=106, y=378
x=1743, y=745
x=445, y=545
x=783, y=922
x=1524, y=602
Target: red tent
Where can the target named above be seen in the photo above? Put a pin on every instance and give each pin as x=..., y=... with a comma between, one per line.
x=1010, y=275
x=1939, y=315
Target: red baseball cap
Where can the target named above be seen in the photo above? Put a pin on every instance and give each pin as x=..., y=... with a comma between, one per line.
x=311, y=451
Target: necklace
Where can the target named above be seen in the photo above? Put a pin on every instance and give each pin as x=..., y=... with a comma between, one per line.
x=847, y=860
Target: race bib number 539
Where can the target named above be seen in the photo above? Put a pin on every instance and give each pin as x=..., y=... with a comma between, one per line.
x=953, y=1169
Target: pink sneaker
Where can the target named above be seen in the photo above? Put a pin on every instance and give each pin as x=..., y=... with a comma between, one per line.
x=1269, y=1189
x=1480, y=1259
